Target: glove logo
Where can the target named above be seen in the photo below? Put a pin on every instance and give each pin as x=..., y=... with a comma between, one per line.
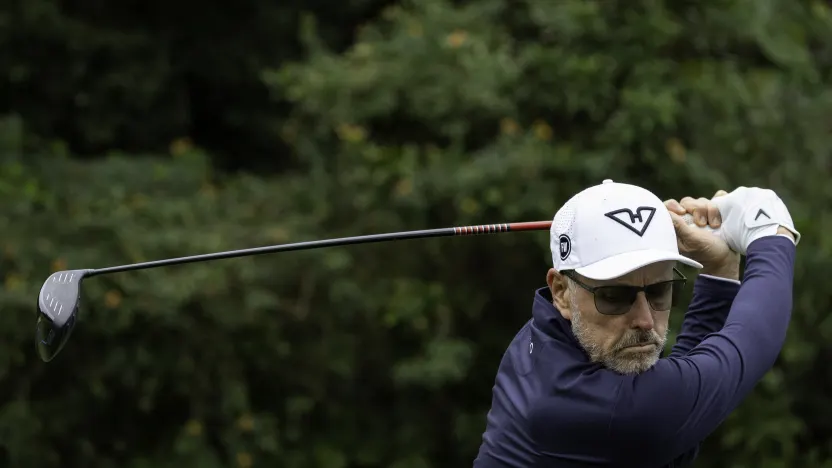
x=761, y=212
x=565, y=246
x=633, y=221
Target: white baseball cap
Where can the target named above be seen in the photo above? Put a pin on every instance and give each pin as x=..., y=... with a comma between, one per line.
x=611, y=229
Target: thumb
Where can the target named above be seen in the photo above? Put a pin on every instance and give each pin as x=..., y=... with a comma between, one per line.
x=683, y=229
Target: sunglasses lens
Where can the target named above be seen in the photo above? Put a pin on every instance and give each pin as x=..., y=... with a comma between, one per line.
x=660, y=296
x=678, y=289
x=614, y=300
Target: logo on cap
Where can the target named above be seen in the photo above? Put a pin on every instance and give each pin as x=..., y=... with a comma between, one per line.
x=633, y=221
x=565, y=246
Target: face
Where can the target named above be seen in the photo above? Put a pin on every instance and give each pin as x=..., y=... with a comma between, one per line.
x=628, y=343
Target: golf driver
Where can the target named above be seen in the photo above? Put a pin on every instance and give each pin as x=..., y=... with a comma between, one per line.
x=60, y=294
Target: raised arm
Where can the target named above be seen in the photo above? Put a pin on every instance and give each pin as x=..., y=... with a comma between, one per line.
x=717, y=284
x=707, y=312
x=679, y=402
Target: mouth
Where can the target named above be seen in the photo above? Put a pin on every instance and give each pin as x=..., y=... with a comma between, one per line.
x=640, y=348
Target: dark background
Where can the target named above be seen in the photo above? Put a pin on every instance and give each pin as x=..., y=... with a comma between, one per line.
x=135, y=131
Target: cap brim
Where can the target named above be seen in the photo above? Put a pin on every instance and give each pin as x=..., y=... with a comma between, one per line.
x=621, y=264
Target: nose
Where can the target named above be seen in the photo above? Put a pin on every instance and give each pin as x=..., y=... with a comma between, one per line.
x=641, y=313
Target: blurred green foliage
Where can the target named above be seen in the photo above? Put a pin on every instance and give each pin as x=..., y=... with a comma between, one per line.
x=432, y=113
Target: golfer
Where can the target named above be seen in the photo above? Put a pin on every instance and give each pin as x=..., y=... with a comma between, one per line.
x=584, y=382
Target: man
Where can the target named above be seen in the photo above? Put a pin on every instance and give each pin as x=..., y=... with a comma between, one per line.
x=583, y=383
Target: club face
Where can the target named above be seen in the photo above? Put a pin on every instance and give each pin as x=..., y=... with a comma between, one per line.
x=57, y=310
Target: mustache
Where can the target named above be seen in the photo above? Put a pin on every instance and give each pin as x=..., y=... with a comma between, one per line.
x=639, y=338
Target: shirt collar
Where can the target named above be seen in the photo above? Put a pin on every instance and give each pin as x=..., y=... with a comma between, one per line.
x=548, y=319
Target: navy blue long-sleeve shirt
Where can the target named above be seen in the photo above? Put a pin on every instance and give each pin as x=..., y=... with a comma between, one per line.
x=552, y=407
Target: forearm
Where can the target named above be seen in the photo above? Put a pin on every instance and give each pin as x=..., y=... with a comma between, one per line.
x=758, y=324
x=707, y=312
x=714, y=291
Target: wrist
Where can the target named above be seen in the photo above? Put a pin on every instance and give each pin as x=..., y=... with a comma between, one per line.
x=770, y=231
x=783, y=231
x=728, y=270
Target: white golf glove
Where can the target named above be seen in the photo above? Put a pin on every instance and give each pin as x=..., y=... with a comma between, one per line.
x=749, y=213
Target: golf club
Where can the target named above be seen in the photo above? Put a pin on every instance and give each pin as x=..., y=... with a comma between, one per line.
x=60, y=295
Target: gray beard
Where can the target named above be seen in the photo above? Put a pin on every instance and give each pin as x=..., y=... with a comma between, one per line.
x=613, y=359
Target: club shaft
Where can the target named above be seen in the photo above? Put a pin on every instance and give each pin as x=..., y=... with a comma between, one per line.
x=393, y=236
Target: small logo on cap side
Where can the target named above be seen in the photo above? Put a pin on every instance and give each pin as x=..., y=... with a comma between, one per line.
x=634, y=221
x=565, y=246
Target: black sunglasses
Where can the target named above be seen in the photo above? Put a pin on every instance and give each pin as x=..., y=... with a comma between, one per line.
x=618, y=299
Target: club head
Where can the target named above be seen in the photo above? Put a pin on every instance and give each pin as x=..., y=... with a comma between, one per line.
x=58, y=303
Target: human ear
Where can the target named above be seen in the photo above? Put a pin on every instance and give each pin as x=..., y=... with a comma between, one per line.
x=559, y=288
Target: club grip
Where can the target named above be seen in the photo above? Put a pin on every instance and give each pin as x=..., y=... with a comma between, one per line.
x=689, y=221
x=481, y=229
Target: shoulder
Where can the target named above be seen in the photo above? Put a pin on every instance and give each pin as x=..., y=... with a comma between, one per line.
x=543, y=373
x=571, y=385
x=574, y=411
x=536, y=355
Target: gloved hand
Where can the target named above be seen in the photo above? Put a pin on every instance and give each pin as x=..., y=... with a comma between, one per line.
x=749, y=213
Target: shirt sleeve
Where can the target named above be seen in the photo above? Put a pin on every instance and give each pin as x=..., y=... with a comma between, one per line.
x=707, y=312
x=682, y=400
x=651, y=418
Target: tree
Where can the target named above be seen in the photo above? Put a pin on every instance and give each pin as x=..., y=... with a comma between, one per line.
x=438, y=114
